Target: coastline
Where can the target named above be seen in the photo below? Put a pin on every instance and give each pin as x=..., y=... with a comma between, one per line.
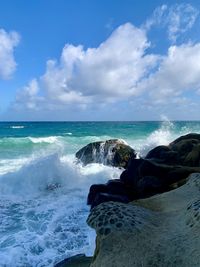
x=149, y=219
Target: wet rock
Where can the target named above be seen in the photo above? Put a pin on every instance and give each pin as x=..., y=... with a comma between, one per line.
x=112, y=152
x=163, y=169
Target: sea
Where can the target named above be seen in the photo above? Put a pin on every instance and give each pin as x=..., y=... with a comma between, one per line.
x=43, y=188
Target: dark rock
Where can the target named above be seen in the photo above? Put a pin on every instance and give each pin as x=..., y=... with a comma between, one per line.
x=116, y=187
x=151, y=168
x=149, y=186
x=130, y=175
x=94, y=190
x=188, y=149
x=112, y=152
x=157, y=152
x=105, y=197
x=163, y=154
x=186, y=137
x=79, y=260
x=163, y=169
x=111, y=188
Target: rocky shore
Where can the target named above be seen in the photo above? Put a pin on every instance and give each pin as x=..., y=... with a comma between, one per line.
x=150, y=216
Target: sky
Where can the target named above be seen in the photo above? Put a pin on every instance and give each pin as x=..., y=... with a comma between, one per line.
x=83, y=60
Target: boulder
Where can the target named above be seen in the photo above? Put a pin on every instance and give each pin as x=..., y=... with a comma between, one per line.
x=185, y=150
x=162, y=230
x=112, y=152
x=161, y=177
x=163, y=154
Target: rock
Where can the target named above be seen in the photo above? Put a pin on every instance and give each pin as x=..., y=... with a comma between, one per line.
x=163, y=169
x=117, y=187
x=105, y=197
x=163, y=154
x=185, y=150
x=112, y=152
x=114, y=190
x=149, y=185
x=188, y=149
x=162, y=230
x=94, y=190
x=130, y=175
x=79, y=260
x=161, y=176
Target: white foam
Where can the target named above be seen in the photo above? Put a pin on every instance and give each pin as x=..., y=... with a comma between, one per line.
x=17, y=127
x=41, y=226
x=50, y=139
x=162, y=136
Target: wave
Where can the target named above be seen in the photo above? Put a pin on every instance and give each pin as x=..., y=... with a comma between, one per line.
x=43, y=174
x=19, y=141
x=17, y=127
x=165, y=134
x=50, y=139
x=43, y=204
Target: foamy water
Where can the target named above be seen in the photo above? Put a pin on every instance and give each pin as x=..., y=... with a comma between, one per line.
x=43, y=190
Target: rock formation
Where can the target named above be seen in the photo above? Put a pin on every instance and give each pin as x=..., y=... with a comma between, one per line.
x=112, y=152
x=163, y=169
x=160, y=231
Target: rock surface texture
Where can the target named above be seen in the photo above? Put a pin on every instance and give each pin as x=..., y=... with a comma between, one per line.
x=160, y=231
x=112, y=152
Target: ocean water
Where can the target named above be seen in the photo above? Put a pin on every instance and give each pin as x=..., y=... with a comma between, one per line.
x=43, y=190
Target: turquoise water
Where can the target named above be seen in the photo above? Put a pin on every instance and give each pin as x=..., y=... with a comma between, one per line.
x=39, y=226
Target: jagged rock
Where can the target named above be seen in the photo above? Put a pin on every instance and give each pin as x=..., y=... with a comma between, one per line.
x=112, y=152
x=159, y=231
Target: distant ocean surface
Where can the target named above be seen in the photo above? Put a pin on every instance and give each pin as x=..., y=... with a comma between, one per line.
x=40, y=226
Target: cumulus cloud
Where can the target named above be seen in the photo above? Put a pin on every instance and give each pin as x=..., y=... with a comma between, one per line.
x=8, y=41
x=178, y=19
x=122, y=70
x=105, y=74
x=178, y=72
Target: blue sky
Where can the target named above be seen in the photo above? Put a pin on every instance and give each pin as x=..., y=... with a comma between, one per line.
x=99, y=60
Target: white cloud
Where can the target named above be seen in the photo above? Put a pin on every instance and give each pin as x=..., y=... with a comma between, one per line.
x=177, y=19
x=181, y=18
x=178, y=72
x=8, y=41
x=121, y=73
x=107, y=73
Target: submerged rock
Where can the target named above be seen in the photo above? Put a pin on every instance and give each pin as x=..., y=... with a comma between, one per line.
x=159, y=231
x=112, y=152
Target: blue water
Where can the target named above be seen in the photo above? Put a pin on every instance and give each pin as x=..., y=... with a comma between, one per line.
x=43, y=190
